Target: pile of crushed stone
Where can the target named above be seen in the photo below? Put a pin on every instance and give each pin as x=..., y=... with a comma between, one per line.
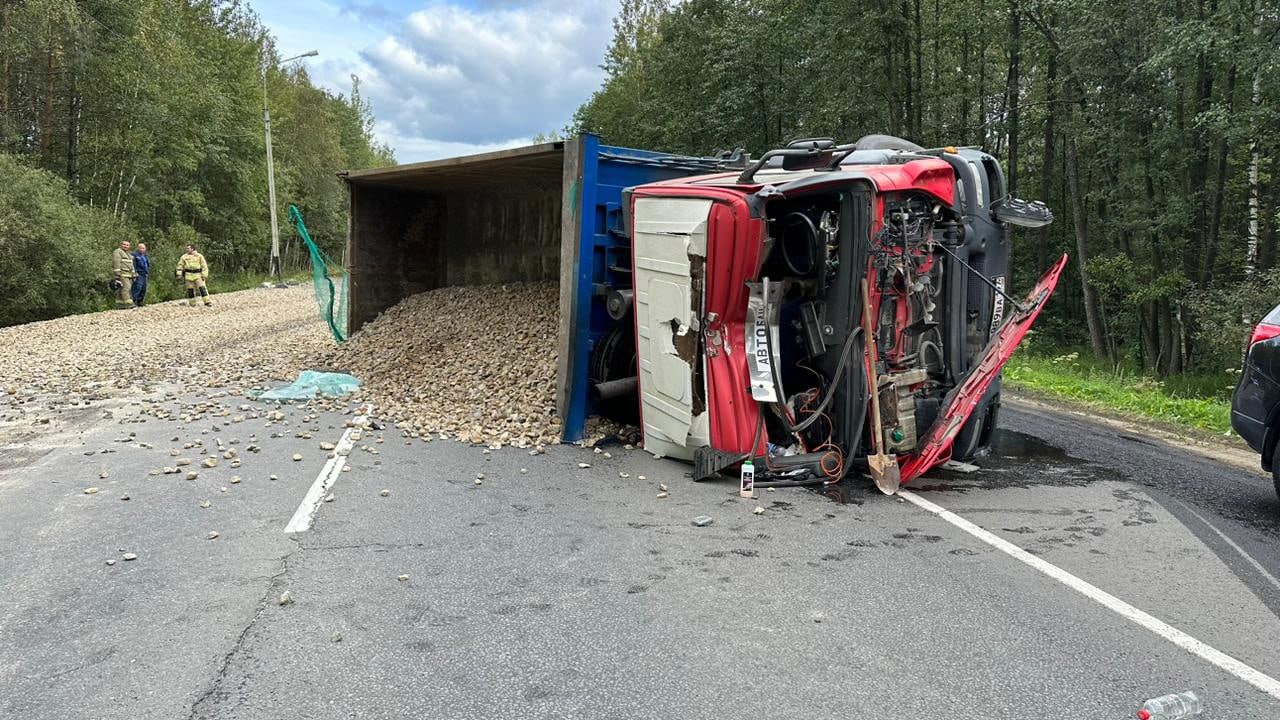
x=476, y=364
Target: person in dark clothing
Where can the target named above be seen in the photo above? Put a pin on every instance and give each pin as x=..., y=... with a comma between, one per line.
x=141, y=269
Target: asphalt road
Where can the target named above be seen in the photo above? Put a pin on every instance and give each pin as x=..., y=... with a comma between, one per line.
x=556, y=591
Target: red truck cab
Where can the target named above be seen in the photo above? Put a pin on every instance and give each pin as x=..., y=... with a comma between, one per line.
x=749, y=296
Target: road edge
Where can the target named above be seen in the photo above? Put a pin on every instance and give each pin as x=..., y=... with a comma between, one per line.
x=1199, y=443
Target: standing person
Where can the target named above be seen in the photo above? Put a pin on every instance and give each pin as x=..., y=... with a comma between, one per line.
x=194, y=271
x=141, y=270
x=122, y=268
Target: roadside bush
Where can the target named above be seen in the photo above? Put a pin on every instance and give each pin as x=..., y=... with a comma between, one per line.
x=1224, y=316
x=55, y=254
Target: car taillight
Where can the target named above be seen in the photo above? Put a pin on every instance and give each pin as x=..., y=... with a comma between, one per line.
x=1264, y=331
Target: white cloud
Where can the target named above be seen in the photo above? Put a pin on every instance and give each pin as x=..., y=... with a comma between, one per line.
x=413, y=149
x=446, y=77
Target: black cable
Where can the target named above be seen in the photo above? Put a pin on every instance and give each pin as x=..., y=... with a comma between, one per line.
x=822, y=406
x=755, y=443
x=812, y=244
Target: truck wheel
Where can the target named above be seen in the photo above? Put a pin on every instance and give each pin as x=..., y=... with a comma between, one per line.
x=976, y=434
x=614, y=358
x=966, y=444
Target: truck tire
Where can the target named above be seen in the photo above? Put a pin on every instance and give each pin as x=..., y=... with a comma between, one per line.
x=614, y=358
x=975, y=437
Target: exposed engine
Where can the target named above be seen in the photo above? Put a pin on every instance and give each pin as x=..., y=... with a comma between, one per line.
x=906, y=285
x=806, y=280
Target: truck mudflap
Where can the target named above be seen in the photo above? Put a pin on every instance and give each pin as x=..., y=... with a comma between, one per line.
x=959, y=404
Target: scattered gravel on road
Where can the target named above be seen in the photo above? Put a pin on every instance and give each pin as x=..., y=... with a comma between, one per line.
x=82, y=359
x=476, y=364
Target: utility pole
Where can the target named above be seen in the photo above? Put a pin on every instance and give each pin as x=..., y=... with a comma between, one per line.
x=276, y=271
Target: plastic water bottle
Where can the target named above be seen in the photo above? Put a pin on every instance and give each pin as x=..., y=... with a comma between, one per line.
x=748, y=487
x=1175, y=706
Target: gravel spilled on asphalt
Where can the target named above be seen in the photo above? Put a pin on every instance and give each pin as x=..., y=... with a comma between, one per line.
x=477, y=364
x=247, y=339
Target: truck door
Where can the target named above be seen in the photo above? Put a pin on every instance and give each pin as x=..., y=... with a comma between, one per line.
x=669, y=251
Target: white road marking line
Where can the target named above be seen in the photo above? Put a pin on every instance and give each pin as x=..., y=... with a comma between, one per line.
x=1248, y=558
x=1263, y=682
x=302, y=517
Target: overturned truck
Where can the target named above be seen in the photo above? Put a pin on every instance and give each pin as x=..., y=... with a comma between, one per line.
x=829, y=307
x=822, y=310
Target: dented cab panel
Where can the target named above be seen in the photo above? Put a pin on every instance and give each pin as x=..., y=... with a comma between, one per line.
x=670, y=248
x=690, y=271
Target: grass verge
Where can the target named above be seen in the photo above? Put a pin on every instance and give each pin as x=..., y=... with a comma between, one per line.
x=1199, y=401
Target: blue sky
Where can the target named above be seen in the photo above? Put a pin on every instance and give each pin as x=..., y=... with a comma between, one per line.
x=451, y=77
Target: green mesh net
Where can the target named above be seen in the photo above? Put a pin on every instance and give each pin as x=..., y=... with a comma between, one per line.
x=329, y=280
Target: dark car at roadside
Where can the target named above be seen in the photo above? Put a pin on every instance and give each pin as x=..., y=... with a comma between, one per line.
x=1255, y=405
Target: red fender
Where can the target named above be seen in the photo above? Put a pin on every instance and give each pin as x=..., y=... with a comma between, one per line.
x=961, y=401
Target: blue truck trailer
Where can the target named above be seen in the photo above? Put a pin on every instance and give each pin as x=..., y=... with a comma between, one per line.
x=546, y=212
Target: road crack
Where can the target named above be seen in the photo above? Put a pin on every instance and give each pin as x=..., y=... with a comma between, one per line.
x=213, y=692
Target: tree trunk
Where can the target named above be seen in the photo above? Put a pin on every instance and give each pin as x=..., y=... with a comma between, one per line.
x=1267, y=249
x=73, y=133
x=1092, y=313
x=1156, y=353
x=1199, y=171
x=935, y=89
x=4, y=74
x=918, y=122
x=966, y=66
x=46, y=113
x=1255, y=160
x=981, y=93
x=891, y=74
x=1013, y=91
x=1215, y=218
x=908, y=105
x=1050, y=155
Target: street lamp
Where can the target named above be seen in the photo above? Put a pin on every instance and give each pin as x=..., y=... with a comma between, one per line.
x=271, y=168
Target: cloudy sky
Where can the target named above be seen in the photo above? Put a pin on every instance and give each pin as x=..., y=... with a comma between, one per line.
x=451, y=77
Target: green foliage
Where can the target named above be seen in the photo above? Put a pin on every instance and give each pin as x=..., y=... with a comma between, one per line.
x=1156, y=97
x=55, y=255
x=1225, y=316
x=1200, y=401
x=151, y=112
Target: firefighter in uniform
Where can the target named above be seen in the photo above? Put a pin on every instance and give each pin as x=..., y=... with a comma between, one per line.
x=194, y=271
x=122, y=270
